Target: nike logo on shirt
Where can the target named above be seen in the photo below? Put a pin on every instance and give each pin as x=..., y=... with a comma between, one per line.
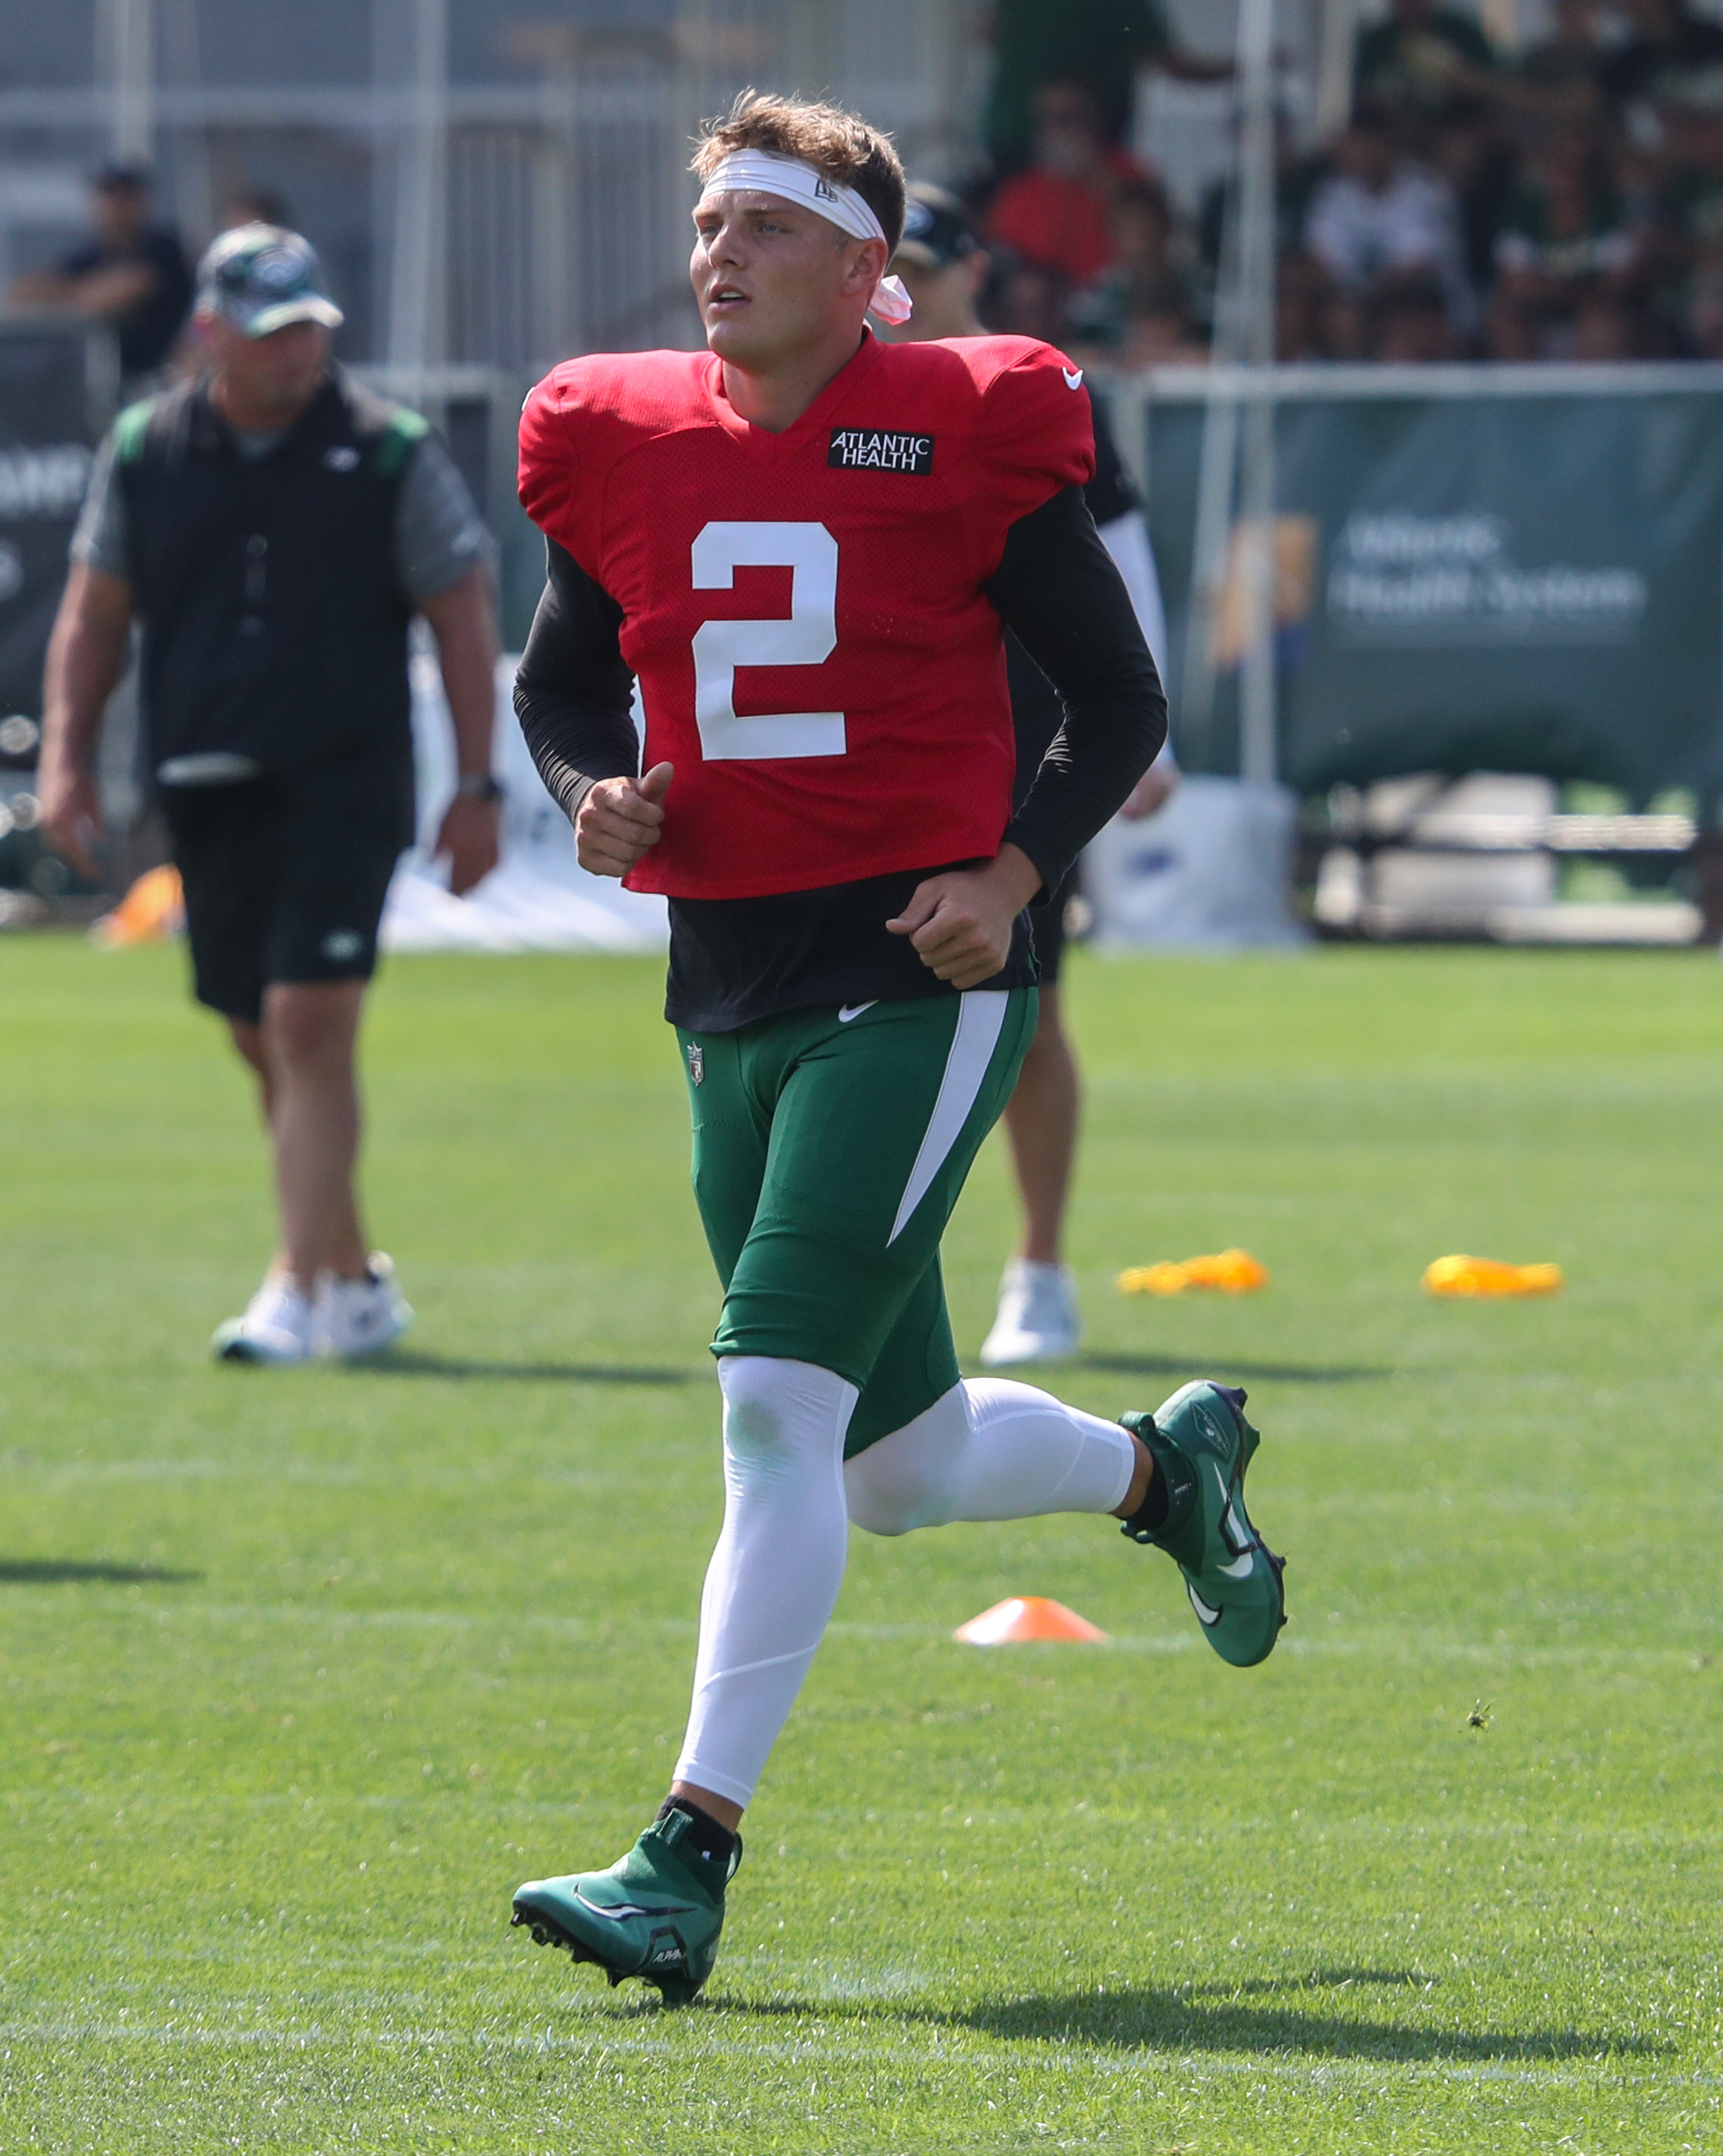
x=853, y=1010
x=1073, y=376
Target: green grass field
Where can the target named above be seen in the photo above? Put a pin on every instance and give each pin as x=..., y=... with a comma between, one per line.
x=303, y=1671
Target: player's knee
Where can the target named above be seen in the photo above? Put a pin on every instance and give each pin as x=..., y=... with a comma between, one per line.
x=247, y=1038
x=776, y=1411
x=895, y=1497
x=310, y=1023
x=908, y=1480
x=887, y=1508
x=877, y=1504
x=754, y=1421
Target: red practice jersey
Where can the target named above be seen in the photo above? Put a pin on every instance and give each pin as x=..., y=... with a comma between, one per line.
x=803, y=611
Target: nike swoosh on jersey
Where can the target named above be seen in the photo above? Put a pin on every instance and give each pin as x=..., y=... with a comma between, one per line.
x=853, y=1010
x=621, y=1911
x=1073, y=376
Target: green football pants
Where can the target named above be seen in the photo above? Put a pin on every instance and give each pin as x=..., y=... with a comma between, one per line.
x=829, y=1147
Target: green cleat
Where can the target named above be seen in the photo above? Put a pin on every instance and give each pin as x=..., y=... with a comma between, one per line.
x=650, y=1915
x=1202, y=1445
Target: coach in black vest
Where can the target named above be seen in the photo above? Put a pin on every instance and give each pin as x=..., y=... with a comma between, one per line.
x=274, y=528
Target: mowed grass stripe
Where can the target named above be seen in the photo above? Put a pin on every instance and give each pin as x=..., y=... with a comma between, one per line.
x=1419, y=1648
x=843, y=2045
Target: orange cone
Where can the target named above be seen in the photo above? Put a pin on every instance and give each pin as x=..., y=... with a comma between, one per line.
x=151, y=910
x=1478, y=1276
x=1233, y=1272
x=1026, y=1617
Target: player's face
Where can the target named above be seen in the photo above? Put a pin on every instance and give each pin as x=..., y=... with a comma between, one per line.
x=772, y=278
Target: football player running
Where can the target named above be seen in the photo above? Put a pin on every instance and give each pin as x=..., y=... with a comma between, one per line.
x=804, y=543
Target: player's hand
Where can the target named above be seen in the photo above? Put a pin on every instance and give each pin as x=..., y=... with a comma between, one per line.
x=469, y=836
x=71, y=816
x=1152, y=791
x=619, y=820
x=961, y=922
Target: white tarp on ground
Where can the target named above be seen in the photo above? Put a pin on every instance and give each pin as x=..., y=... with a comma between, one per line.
x=1212, y=870
x=538, y=898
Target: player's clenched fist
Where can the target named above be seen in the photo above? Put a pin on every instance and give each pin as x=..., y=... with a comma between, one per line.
x=619, y=820
x=961, y=922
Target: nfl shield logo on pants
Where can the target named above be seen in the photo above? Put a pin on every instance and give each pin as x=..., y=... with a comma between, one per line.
x=696, y=1062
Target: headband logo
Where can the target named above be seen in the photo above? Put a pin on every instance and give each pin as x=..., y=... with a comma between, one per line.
x=877, y=448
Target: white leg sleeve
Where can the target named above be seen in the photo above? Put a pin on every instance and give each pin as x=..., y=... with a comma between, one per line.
x=989, y=1450
x=774, y=1577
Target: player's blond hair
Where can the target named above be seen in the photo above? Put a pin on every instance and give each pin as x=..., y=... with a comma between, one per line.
x=840, y=145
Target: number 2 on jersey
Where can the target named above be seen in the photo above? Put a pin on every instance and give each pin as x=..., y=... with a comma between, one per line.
x=807, y=638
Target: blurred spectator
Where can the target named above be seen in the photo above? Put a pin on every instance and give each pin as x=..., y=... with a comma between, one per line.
x=1562, y=78
x=249, y=204
x=1159, y=330
x=1099, y=44
x=1148, y=258
x=1670, y=56
x=1686, y=245
x=1381, y=221
x=1301, y=295
x=1424, y=64
x=1565, y=248
x=1605, y=327
x=1028, y=301
x=1704, y=315
x=941, y=263
x=1410, y=326
x=1296, y=177
x=1055, y=212
x=129, y=273
x=1474, y=154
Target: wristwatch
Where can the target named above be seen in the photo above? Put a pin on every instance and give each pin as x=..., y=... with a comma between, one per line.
x=478, y=786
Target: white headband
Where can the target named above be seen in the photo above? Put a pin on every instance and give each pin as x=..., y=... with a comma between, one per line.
x=799, y=182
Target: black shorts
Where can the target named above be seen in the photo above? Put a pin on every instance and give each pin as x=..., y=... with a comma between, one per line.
x=1047, y=931
x=286, y=875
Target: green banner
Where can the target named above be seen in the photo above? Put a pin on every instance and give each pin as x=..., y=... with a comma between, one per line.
x=1526, y=583
x=46, y=432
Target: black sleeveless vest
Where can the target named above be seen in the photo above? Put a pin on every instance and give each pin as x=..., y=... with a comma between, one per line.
x=275, y=624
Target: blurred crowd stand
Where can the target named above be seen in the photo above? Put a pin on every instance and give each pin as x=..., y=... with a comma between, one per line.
x=1557, y=200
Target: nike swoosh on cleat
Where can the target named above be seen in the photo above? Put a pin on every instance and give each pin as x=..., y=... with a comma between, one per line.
x=622, y=1910
x=853, y=1010
x=1244, y=1561
x=1208, y=1616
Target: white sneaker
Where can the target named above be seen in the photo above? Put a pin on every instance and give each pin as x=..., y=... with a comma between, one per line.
x=353, y=1318
x=1038, y=1319
x=276, y=1326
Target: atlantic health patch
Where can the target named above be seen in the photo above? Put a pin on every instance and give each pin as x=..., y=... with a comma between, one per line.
x=877, y=449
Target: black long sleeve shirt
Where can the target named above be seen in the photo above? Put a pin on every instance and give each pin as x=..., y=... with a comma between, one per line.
x=736, y=960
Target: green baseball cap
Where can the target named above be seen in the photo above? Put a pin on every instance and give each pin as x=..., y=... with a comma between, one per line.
x=261, y=277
